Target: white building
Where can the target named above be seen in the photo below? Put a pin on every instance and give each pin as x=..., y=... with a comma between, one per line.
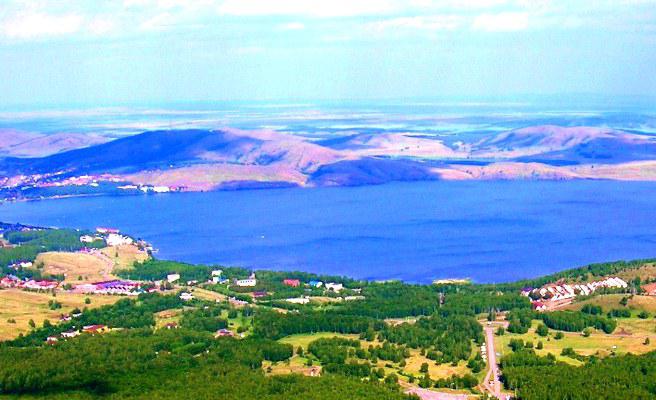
x=114, y=239
x=335, y=287
x=172, y=277
x=87, y=239
x=246, y=282
x=298, y=300
x=161, y=189
x=184, y=296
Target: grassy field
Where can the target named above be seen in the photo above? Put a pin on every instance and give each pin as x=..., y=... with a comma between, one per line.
x=90, y=268
x=125, y=256
x=646, y=271
x=413, y=363
x=208, y=294
x=304, y=339
x=164, y=317
x=629, y=336
x=22, y=306
x=612, y=301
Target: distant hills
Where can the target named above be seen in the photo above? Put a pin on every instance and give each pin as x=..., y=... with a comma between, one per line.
x=214, y=159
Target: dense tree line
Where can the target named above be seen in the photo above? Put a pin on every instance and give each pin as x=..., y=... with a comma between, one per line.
x=138, y=364
x=614, y=378
x=574, y=321
x=274, y=325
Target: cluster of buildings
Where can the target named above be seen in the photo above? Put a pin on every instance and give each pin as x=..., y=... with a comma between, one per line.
x=566, y=292
x=116, y=287
x=88, y=329
x=152, y=188
x=332, y=286
x=110, y=236
x=11, y=281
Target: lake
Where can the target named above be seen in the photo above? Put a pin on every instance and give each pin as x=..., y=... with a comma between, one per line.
x=417, y=232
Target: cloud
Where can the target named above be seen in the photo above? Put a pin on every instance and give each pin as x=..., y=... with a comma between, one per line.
x=292, y=26
x=333, y=8
x=501, y=22
x=101, y=26
x=39, y=25
x=431, y=23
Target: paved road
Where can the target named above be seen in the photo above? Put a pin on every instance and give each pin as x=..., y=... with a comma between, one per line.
x=492, y=383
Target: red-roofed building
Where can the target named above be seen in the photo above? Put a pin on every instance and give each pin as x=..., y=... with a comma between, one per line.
x=93, y=329
x=292, y=282
x=650, y=289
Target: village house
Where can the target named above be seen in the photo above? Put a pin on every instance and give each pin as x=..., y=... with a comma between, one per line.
x=105, y=231
x=315, y=284
x=251, y=281
x=70, y=334
x=21, y=264
x=185, y=296
x=40, y=285
x=335, y=287
x=8, y=281
x=87, y=239
x=171, y=278
x=650, y=289
x=291, y=282
x=114, y=239
x=216, y=275
x=51, y=340
x=171, y=325
x=95, y=329
x=235, y=302
x=298, y=300
x=259, y=294
x=115, y=287
x=224, y=333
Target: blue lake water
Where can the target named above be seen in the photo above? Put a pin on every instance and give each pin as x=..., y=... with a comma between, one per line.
x=487, y=231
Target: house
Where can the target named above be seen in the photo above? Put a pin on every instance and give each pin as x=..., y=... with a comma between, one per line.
x=351, y=298
x=246, y=282
x=335, y=287
x=291, y=282
x=216, y=275
x=8, y=281
x=539, y=306
x=161, y=189
x=315, y=284
x=87, y=239
x=114, y=239
x=70, y=334
x=118, y=287
x=224, y=333
x=298, y=300
x=260, y=293
x=171, y=325
x=172, y=277
x=65, y=317
x=105, y=231
x=185, y=296
x=40, y=285
x=650, y=289
x=236, y=302
x=21, y=264
x=93, y=329
x=51, y=340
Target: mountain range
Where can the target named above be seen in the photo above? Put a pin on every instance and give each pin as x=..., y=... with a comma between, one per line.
x=229, y=158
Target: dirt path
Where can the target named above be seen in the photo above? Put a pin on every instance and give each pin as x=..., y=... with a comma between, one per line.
x=427, y=394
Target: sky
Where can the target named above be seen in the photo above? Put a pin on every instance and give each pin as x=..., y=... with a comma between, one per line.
x=59, y=52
